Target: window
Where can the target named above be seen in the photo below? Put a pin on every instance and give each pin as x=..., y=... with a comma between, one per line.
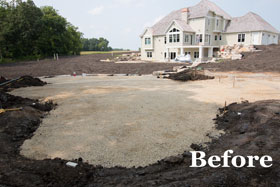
x=199, y=38
x=149, y=54
x=220, y=37
x=173, y=55
x=196, y=55
x=209, y=22
x=147, y=41
x=217, y=23
x=206, y=38
x=165, y=55
x=170, y=38
x=174, y=38
x=174, y=30
x=165, y=40
x=187, y=38
x=241, y=38
x=216, y=37
x=187, y=53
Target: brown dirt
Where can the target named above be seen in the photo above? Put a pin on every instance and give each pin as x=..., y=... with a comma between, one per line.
x=251, y=129
x=267, y=60
x=24, y=81
x=80, y=64
x=189, y=75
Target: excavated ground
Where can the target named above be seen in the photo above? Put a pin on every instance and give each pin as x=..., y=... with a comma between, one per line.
x=267, y=60
x=251, y=129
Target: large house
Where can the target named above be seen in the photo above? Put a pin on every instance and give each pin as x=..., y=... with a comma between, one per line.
x=201, y=30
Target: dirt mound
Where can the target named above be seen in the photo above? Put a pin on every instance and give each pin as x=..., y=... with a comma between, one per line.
x=189, y=75
x=267, y=60
x=24, y=81
x=2, y=80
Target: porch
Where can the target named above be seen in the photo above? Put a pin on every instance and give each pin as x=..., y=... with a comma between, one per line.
x=198, y=53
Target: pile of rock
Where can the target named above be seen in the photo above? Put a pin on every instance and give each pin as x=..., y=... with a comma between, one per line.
x=129, y=57
x=234, y=52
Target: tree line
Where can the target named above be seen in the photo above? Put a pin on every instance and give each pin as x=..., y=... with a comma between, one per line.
x=30, y=32
x=95, y=44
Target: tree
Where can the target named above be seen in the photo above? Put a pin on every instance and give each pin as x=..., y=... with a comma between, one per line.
x=28, y=31
x=94, y=44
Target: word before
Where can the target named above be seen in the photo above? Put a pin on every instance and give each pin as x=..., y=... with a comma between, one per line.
x=198, y=160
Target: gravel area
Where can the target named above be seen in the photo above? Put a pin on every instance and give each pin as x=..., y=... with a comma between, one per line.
x=118, y=121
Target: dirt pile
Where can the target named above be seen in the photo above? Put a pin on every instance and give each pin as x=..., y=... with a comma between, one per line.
x=2, y=80
x=189, y=75
x=267, y=60
x=24, y=81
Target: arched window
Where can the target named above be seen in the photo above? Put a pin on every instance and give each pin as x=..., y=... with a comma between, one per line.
x=174, y=30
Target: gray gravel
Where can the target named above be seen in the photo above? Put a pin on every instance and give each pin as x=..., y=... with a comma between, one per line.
x=124, y=121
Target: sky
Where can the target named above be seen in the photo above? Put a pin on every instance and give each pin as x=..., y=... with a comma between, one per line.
x=123, y=21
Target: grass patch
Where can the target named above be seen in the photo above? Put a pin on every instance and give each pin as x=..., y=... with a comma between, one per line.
x=102, y=52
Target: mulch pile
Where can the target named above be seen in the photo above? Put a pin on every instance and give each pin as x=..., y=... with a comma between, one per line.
x=189, y=75
x=267, y=60
x=251, y=129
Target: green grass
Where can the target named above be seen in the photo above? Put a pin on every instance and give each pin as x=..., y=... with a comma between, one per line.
x=101, y=52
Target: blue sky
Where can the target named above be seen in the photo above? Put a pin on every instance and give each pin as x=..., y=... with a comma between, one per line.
x=122, y=21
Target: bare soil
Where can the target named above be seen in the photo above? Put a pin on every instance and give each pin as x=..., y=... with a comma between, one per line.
x=267, y=60
x=189, y=75
x=251, y=129
x=80, y=64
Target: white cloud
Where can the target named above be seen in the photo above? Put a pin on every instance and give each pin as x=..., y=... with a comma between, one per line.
x=97, y=10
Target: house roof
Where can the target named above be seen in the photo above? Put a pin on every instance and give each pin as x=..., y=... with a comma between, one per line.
x=204, y=7
x=250, y=22
x=200, y=10
x=182, y=25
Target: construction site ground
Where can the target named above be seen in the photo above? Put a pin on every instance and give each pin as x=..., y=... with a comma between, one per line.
x=96, y=114
x=90, y=64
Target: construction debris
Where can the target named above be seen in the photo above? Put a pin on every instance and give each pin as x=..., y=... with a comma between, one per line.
x=129, y=57
x=234, y=52
x=183, y=73
x=71, y=164
x=11, y=109
x=189, y=75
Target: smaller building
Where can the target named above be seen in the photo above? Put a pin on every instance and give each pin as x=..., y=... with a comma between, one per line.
x=200, y=31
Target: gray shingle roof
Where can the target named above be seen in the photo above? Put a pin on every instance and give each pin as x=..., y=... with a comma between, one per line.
x=202, y=9
x=183, y=25
x=250, y=22
x=199, y=10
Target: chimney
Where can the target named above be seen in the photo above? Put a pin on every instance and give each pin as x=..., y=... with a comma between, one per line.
x=185, y=14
